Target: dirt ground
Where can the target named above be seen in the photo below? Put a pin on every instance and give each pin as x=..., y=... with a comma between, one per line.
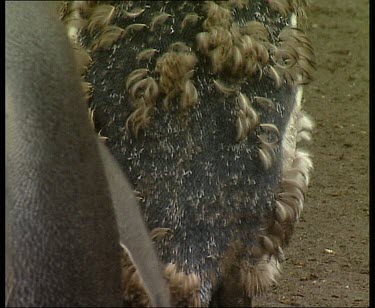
x=328, y=259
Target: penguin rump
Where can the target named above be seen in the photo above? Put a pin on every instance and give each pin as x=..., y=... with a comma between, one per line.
x=202, y=110
x=68, y=204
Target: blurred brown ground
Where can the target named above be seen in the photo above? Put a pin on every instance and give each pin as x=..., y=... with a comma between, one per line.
x=328, y=259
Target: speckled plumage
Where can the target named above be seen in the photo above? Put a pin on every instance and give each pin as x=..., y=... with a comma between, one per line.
x=193, y=177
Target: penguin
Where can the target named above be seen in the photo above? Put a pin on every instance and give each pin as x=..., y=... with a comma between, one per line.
x=200, y=103
x=70, y=211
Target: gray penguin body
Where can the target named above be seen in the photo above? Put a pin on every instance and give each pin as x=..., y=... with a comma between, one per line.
x=62, y=238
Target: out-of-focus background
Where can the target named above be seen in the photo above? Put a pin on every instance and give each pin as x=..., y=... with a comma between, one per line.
x=328, y=258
